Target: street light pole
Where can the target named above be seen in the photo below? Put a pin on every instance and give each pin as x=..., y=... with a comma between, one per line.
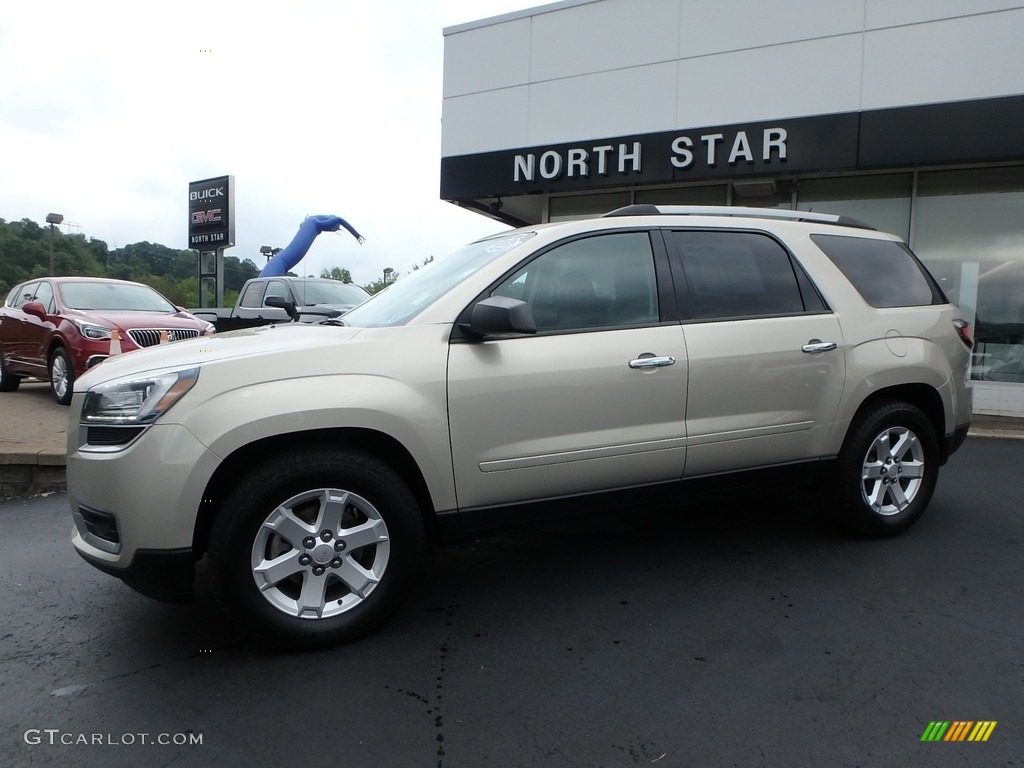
x=53, y=219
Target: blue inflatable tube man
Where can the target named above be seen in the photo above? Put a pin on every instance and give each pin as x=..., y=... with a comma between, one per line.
x=308, y=230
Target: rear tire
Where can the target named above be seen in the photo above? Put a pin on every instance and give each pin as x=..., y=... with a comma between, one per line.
x=315, y=548
x=62, y=376
x=8, y=383
x=887, y=470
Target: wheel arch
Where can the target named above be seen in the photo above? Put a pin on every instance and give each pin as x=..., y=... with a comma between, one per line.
x=57, y=342
x=922, y=396
x=379, y=445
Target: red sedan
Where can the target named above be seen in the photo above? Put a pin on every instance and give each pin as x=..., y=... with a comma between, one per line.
x=57, y=327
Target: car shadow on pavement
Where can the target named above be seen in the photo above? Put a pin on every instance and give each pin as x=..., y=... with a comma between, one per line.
x=614, y=552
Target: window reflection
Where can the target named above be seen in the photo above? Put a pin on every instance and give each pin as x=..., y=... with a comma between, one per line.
x=970, y=232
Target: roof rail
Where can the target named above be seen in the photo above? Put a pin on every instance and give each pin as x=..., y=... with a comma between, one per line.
x=727, y=210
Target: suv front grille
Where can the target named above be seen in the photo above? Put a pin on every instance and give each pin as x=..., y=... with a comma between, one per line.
x=150, y=337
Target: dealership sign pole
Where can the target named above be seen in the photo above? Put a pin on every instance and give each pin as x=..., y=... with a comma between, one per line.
x=211, y=230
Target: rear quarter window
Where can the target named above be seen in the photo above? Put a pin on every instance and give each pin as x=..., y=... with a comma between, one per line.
x=884, y=272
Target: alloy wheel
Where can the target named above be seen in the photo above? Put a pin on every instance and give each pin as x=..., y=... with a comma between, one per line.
x=320, y=553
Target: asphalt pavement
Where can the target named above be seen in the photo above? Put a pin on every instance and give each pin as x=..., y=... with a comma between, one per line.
x=736, y=631
x=33, y=439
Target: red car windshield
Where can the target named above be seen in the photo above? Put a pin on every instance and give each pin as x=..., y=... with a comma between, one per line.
x=114, y=296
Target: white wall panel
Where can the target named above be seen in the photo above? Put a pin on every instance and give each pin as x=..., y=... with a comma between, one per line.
x=623, y=101
x=816, y=77
x=967, y=58
x=487, y=58
x=482, y=122
x=609, y=35
x=573, y=71
x=730, y=25
x=886, y=13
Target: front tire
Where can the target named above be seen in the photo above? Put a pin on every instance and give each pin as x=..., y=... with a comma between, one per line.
x=887, y=470
x=62, y=376
x=315, y=548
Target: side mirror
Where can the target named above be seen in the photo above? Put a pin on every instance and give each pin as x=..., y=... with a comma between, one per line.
x=35, y=309
x=500, y=316
x=279, y=302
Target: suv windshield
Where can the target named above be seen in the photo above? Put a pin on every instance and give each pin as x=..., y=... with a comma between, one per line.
x=403, y=300
x=114, y=296
x=312, y=292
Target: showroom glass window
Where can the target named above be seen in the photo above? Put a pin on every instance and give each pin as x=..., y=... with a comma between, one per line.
x=969, y=231
x=586, y=206
x=882, y=201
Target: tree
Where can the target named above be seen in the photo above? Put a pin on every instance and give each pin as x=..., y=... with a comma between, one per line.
x=377, y=286
x=337, y=273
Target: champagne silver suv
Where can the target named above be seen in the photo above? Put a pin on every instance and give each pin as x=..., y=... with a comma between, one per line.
x=556, y=363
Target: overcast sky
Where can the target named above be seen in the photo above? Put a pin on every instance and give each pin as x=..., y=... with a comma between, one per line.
x=109, y=109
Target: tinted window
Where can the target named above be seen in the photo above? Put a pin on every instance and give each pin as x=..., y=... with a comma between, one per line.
x=26, y=294
x=253, y=295
x=885, y=273
x=279, y=289
x=737, y=274
x=607, y=280
x=44, y=295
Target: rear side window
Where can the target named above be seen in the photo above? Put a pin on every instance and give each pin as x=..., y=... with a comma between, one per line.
x=738, y=275
x=885, y=273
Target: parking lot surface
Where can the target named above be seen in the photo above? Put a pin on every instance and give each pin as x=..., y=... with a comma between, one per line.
x=736, y=631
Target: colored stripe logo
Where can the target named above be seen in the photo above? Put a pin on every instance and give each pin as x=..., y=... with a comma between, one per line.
x=959, y=730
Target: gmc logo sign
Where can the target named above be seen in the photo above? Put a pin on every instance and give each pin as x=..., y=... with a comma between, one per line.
x=206, y=217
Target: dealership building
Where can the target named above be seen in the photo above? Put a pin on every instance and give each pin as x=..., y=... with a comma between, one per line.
x=906, y=114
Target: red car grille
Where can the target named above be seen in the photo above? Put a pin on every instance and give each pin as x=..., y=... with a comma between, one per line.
x=148, y=337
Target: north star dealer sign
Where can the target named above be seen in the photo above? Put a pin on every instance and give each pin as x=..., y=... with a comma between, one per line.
x=728, y=151
x=211, y=213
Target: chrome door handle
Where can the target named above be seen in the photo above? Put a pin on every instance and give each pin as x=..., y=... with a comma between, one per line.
x=816, y=345
x=652, y=362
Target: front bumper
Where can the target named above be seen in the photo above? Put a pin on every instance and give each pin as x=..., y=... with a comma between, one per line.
x=165, y=575
x=135, y=508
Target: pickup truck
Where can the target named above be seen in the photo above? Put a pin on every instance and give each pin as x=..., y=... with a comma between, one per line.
x=258, y=301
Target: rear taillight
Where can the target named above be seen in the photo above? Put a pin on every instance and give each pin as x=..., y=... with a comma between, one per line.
x=963, y=330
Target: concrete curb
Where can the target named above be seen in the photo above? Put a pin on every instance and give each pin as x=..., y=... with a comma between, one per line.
x=999, y=434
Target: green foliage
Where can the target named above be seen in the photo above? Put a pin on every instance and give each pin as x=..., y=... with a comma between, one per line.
x=337, y=273
x=25, y=254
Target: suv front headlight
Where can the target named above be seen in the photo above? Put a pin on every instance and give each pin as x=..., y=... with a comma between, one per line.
x=136, y=400
x=92, y=330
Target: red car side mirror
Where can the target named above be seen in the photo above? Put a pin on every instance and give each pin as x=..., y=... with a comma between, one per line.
x=34, y=308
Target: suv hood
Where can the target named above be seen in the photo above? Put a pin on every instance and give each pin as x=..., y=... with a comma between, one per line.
x=272, y=341
x=126, y=319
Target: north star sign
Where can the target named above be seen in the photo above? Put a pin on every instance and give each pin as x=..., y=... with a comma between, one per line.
x=626, y=158
x=211, y=222
x=793, y=145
